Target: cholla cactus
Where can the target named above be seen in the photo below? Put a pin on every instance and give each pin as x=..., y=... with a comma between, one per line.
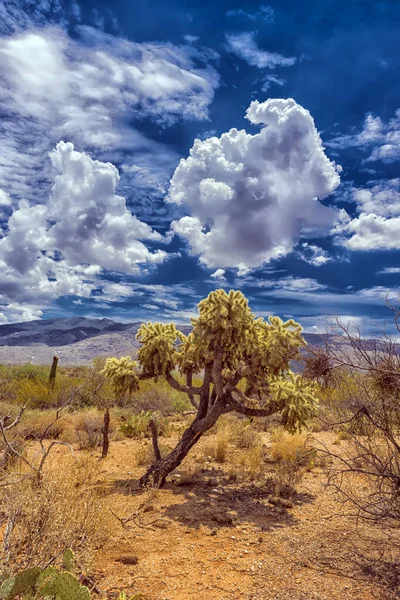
x=123, y=375
x=158, y=353
x=227, y=345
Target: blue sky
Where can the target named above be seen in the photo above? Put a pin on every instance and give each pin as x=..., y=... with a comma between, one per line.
x=152, y=152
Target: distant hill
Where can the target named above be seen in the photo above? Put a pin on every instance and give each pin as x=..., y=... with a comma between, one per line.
x=75, y=341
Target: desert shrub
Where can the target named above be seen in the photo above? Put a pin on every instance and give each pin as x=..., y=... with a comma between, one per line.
x=293, y=456
x=159, y=396
x=35, y=424
x=34, y=393
x=217, y=447
x=8, y=458
x=245, y=436
x=252, y=462
x=153, y=399
x=288, y=447
x=60, y=510
x=363, y=398
x=137, y=426
x=88, y=426
x=26, y=371
x=144, y=454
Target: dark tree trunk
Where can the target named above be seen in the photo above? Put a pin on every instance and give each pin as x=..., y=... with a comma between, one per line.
x=106, y=428
x=53, y=371
x=156, y=474
x=156, y=449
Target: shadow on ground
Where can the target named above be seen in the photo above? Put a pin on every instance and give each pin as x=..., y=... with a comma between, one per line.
x=213, y=501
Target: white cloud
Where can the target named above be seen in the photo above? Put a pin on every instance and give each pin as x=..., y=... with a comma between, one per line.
x=271, y=79
x=378, y=225
x=313, y=255
x=15, y=313
x=92, y=223
x=59, y=248
x=297, y=284
x=371, y=232
x=383, y=198
x=389, y=271
x=88, y=90
x=245, y=47
x=218, y=274
x=5, y=199
x=16, y=15
x=253, y=196
x=383, y=138
x=191, y=39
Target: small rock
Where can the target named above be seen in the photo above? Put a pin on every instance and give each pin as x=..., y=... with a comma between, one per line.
x=212, y=482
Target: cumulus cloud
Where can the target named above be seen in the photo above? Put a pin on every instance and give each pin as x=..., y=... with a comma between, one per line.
x=15, y=313
x=252, y=196
x=218, y=274
x=245, y=47
x=5, y=199
x=380, y=138
x=371, y=232
x=383, y=198
x=377, y=227
x=89, y=90
x=60, y=247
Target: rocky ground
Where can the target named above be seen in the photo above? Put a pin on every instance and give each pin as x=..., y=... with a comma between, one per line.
x=204, y=536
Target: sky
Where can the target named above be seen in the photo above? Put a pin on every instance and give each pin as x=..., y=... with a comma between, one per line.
x=153, y=152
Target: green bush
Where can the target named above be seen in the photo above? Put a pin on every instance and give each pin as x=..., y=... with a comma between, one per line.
x=137, y=426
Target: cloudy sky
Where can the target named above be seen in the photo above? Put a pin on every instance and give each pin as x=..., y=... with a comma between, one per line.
x=152, y=152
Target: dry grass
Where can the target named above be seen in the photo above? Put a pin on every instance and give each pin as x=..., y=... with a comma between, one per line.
x=287, y=447
x=62, y=510
x=88, y=427
x=216, y=447
x=35, y=422
x=250, y=464
x=293, y=457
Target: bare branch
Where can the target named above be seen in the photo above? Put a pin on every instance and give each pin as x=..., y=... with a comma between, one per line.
x=246, y=410
x=180, y=387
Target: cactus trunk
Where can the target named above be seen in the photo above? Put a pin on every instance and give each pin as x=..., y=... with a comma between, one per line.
x=156, y=474
x=106, y=428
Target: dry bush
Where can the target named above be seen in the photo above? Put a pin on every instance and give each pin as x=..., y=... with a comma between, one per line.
x=287, y=447
x=42, y=518
x=144, y=455
x=88, y=426
x=363, y=401
x=35, y=422
x=245, y=436
x=217, y=447
x=137, y=425
x=250, y=464
x=8, y=458
x=159, y=396
x=154, y=399
x=293, y=456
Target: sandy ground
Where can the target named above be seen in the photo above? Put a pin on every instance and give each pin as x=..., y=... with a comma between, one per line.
x=211, y=538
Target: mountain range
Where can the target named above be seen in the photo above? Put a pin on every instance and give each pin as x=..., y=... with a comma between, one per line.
x=77, y=340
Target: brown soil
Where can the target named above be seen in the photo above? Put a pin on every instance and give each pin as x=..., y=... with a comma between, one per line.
x=208, y=537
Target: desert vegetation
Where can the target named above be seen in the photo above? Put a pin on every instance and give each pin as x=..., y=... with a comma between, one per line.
x=204, y=465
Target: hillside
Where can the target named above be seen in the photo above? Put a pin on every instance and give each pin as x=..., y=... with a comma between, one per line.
x=76, y=341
